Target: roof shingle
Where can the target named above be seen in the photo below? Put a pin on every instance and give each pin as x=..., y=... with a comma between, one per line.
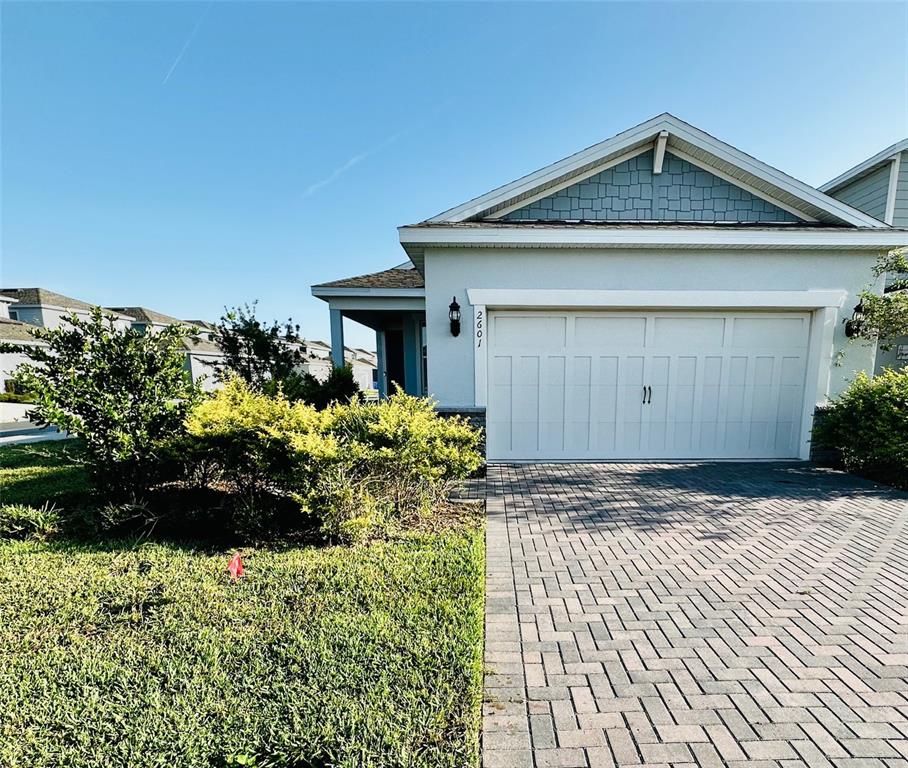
x=389, y=278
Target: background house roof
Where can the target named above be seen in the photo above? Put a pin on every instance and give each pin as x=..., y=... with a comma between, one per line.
x=42, y=296
x=13, y=330
x=145, y=315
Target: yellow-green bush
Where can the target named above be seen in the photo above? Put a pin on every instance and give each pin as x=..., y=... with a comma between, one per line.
x=355, y=466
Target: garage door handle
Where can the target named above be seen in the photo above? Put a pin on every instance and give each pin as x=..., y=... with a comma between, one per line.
x=644, y=394
x=650, y=399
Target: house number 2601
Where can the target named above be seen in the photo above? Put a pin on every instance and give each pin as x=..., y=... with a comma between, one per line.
x=479, y=330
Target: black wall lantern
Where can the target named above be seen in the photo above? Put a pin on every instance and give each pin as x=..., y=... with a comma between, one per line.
x=454, y=317
x=853, y=326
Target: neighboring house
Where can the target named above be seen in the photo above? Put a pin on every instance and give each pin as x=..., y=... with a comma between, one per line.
x=659, y=295
x=39, y=306
x=21, y=308
x=318, y=363
x=12, y=332
x=202, y=355
x=879, y=186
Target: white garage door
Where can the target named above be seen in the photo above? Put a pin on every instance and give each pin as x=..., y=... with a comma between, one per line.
x=626, y=385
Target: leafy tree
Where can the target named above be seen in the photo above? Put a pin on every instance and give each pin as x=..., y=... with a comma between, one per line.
x=885, y=317
x=264, y=355
x=123, y=392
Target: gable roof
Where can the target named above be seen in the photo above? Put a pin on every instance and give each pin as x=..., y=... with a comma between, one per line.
x=865, y=167
x=13, y=330
x=145, y=315
x=43, y=297
x=683, y=140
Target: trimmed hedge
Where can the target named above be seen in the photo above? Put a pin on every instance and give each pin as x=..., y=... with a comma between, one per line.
x=868, y=427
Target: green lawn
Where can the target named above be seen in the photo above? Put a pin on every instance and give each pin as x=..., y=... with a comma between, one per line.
x=34, y=473
x=147, y=655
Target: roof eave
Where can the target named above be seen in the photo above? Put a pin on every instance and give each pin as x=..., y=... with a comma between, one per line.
x=416, y=239
x=329, y=292
x=812, y=201
x=865, y=167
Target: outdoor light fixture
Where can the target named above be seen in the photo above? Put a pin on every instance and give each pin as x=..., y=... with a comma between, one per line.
x=853, y=326
x=454, y=317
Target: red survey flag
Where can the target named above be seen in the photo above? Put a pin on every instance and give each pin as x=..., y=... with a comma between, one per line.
x=235, y=566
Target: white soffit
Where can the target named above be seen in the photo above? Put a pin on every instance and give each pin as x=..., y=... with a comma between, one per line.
x=698, y=146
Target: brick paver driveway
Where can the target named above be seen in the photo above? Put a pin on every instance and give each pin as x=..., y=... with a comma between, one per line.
x=710, y=614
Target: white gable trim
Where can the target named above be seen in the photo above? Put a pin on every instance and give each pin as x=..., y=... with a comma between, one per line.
x=892, y=190
x=742, y=184
x=646, y=133
x=570, y=182
x=641, y=134
x=865, y=167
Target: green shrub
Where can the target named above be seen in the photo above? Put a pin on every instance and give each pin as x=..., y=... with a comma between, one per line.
x=339, y=387
x=15, y=397
x=21, y=521
x=355, y=467
x=122, y=391
x=868, y=426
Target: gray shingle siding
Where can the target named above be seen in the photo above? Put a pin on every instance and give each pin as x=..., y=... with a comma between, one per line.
x=630, y=191
x=867, y=193
x=900, y=215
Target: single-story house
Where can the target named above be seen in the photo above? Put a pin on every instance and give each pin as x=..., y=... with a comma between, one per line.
x=879, y=186
x=659, y=295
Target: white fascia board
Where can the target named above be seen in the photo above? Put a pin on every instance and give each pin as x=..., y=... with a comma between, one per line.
x=569, y=182
x=773, y=176
x=647, y=132
x=368, y=292
x=530, y=237
x=743, y=185
x=503, y=298
x=865, y=167
x=620, y=143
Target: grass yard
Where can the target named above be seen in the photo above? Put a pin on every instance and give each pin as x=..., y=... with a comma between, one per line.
x=147, y=655
x=35, y=473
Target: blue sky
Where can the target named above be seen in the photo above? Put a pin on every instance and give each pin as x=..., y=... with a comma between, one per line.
x=184, y=156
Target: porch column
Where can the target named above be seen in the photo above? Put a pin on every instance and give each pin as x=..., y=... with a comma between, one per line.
x=412, y=355
x=380, y=364
x=337, y=338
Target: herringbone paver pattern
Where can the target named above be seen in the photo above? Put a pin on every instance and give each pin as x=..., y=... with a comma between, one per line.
x=677, y=615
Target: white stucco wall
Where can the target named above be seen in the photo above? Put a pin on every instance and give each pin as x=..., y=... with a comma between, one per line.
x=450, y=272
x=9, y=362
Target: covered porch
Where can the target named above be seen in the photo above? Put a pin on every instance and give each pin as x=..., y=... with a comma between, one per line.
x=392, y=303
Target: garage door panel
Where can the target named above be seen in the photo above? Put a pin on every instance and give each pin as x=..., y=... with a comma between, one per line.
x=688, y=333
x=723, y=385
x=593, y=331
